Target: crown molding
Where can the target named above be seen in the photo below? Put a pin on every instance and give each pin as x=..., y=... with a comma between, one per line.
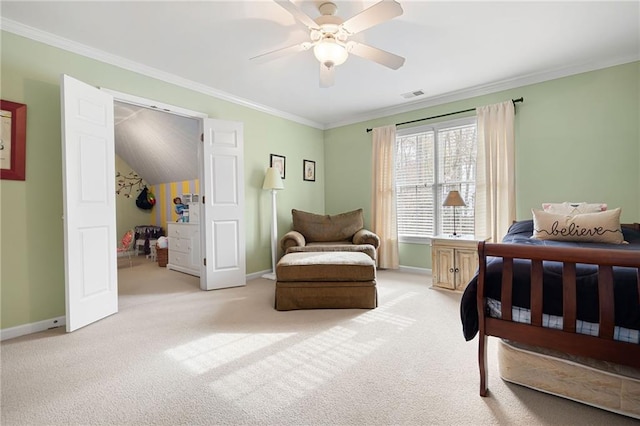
x=99, y=55
x=485, y=89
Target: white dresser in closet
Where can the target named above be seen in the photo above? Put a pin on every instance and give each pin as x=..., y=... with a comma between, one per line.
x=184, y=247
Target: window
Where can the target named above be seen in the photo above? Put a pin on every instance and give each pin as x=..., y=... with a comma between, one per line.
x=431, y=161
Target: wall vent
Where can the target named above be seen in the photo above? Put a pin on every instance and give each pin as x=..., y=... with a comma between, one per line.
x=413, y=94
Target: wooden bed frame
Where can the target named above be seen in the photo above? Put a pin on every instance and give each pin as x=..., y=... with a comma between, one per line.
x=601, y=347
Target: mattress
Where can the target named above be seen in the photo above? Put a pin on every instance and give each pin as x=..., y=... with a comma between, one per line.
x=523, y=315
x=597, y=383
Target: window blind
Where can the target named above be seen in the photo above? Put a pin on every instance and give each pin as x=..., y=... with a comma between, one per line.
x=431, y=161
x=415, y=183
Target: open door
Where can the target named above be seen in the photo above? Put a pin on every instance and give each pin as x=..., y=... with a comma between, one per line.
x=222, y=188
x=88, y=170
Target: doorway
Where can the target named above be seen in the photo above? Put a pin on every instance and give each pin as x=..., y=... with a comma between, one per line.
x=157, y=149
x=220, y=170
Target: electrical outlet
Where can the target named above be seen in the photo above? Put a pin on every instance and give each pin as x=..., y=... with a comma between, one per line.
x=55, y=323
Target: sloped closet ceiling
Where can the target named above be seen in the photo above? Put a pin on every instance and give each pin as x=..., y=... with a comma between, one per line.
x=159, y=146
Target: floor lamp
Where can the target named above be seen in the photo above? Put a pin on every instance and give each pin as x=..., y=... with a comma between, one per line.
x=454, y=200
x=273, y=182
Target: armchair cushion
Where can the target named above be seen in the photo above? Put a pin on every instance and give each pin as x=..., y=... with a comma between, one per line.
x=367, y=249
x=326, y=228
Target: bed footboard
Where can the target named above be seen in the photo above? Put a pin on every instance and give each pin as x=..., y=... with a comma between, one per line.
x=567, y=340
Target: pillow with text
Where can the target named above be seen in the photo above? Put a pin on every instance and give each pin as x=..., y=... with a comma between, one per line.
x=602, y=227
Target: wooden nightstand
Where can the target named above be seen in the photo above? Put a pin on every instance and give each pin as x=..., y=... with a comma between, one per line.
x=454, y=260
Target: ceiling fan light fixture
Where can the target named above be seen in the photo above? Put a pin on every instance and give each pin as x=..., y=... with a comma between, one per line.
x=329, y=35
x=330, y=53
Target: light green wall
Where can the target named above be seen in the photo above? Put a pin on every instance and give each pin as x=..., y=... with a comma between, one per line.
x=31, y=246
x=577, y=139
x=128, y=215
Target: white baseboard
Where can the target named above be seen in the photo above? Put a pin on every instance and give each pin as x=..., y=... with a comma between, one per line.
x=34, y=327
x=258, y=274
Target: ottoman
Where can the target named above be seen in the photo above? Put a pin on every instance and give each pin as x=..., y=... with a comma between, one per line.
x=326, y=280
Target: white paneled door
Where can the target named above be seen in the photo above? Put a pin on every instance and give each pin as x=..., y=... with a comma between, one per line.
x=88, y=167
x=223, y=190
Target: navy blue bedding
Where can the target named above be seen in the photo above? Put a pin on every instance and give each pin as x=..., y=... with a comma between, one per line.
x=627, y=312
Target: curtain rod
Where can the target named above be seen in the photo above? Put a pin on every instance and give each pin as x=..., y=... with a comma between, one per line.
x=449, y=113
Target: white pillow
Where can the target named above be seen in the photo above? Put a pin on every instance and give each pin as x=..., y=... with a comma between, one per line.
x=573, y=208
x=603, y=227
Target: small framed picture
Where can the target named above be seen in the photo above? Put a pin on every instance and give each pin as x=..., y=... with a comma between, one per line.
x=13, y=130
x=309, y=170
x=278, y=161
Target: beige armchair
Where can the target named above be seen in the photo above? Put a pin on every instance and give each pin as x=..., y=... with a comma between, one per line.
x=341, y=232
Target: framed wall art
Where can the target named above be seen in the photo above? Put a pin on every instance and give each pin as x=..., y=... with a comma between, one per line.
x=309, y=170
x=278, y=161
x=13, y=139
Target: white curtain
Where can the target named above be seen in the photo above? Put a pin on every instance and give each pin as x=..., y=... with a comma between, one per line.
x=495, y=206
x=383, y=211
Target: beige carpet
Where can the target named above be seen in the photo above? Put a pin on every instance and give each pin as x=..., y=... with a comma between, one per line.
x=177, y=355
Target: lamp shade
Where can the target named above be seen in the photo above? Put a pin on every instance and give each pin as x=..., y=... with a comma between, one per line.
x=454, y=200
x=330, y=53
x=272, y=179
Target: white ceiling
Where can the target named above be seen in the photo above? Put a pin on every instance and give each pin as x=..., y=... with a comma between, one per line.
x=159, y=146
x=453, y=49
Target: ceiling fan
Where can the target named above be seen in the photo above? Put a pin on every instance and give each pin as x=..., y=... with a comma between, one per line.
x=329, y=36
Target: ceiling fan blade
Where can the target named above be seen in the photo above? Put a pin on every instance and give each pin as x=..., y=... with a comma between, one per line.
x=279, y=53
x=298, y=14
x=327, y=76
x=376, y=14
x=376, y=55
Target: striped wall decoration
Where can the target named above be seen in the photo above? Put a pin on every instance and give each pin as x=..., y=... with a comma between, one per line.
x=164, y=211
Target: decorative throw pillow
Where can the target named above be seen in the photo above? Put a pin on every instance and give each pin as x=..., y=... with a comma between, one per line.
x=603, y=227
x=326, y=228
x=573, y=208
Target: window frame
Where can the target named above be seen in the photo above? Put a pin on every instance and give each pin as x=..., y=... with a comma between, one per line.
x=434, y=127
